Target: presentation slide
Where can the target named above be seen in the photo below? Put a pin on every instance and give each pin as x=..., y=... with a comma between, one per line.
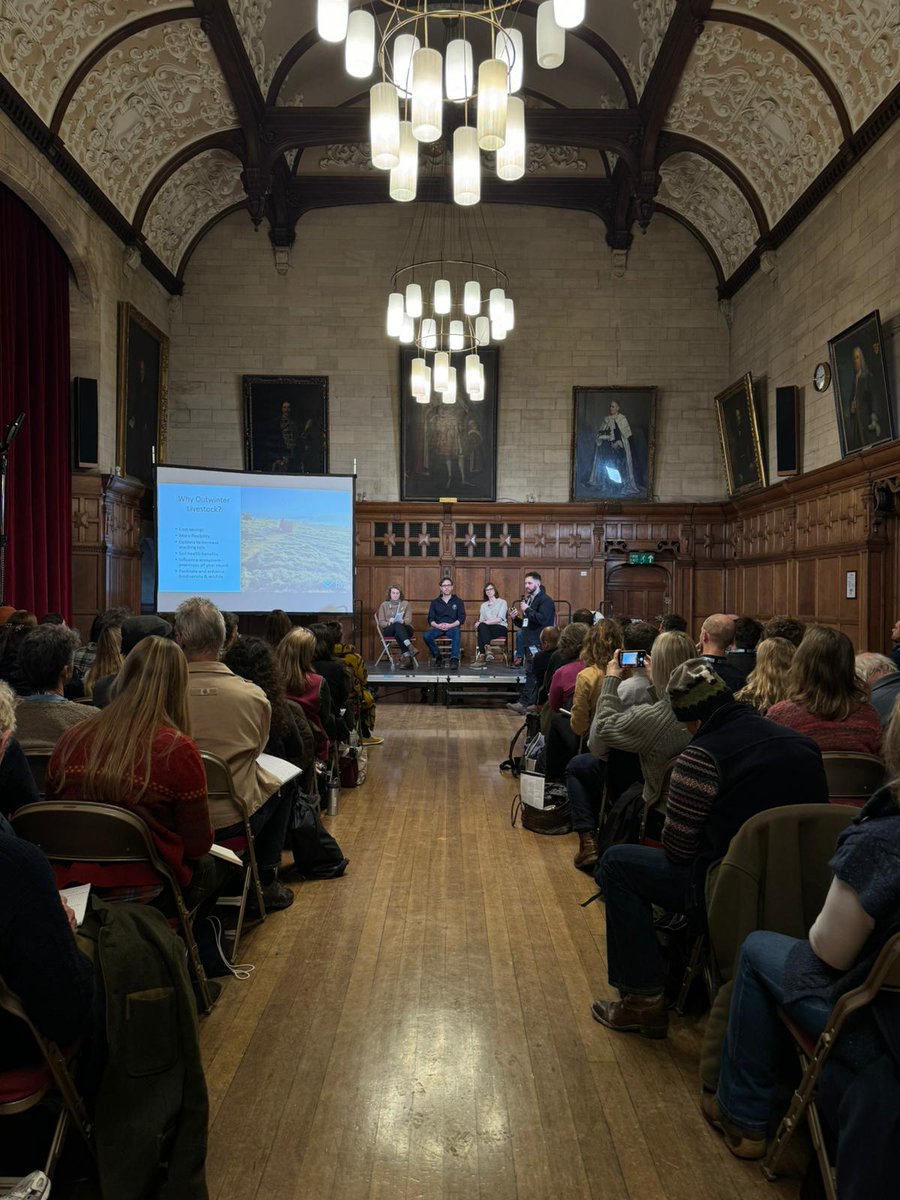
x=252, y=542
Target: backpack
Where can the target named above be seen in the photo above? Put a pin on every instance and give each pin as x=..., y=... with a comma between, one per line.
x=316, y=853
x=514, y=763
x=623, y=820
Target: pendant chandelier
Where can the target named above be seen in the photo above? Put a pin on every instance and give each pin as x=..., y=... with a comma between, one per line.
x=427, y=56
x=449, y=299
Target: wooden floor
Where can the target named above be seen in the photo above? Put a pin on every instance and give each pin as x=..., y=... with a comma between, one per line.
x=422, y=1027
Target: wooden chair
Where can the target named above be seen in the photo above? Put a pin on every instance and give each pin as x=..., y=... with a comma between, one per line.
x=444, y=647
x=21, y=1088
x=220, y=788
x=38, y=764
x=852, y=778
x=885, y=974
x=83, y=832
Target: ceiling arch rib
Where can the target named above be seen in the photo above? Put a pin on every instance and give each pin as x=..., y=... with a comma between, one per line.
x=695, y=232
x=231, y=141
x=703, y=195
x=678, y=143
x=197, y=192
x=151, y=95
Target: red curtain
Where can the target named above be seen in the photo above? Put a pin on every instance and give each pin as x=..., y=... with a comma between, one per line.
x=34, y=379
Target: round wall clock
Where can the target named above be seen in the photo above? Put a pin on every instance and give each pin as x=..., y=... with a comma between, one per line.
x=821, y=377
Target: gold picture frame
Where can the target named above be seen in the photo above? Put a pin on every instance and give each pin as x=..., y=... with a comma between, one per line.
x=142, y=395
x=739, y=436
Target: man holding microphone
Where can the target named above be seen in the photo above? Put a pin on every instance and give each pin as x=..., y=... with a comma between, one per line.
x=535, y=613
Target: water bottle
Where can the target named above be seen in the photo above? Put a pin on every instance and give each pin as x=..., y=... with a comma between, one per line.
x=334, y=793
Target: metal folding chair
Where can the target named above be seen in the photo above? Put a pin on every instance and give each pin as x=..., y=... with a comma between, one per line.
x=852, y=778
x=38, y=764
x=389, y=648
x=220, y=788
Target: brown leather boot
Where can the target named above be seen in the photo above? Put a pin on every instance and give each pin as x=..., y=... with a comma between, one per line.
x=646, y=1015
x=587, y=851
x=742, y=1143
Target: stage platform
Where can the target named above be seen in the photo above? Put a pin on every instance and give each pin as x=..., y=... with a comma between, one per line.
x=464, y=684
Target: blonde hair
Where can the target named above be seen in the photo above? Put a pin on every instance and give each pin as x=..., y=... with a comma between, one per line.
x=601, y=643
x=294, y=654
x=767, y=682
x=149, y=694
x=7, y=709
x=823, y=675
x=670, y=650
x=107, y=659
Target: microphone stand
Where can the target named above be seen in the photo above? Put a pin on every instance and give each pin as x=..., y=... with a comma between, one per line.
x=8, y=439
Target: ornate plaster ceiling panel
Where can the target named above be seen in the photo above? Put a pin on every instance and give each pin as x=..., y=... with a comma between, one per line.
x=148, y=97
x=704, y=195
x=197, y=192
x=755, y=102
x=251, y=17
x=856, y=42
x=653, y=17
x=42, y=41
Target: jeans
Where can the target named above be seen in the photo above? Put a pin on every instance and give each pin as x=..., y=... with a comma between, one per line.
x=584, y=785
x=432, y=636
x=519, y=651
x=633, y=879
x=748, y=1079
x=269, y=825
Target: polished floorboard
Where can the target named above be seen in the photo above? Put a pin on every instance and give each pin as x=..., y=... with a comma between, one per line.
x=421, y=1028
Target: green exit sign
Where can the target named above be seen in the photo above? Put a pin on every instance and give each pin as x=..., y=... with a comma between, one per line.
x=641, y=558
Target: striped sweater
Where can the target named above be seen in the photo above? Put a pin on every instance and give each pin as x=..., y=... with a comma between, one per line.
x=648, y=730
x=860, y=733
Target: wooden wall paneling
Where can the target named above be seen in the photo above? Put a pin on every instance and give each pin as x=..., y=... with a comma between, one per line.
x=122, y=516
x=88, y=566
x=580, y=586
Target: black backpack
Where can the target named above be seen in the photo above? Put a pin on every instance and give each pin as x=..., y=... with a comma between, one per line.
x=623, y=819
x=316, y=853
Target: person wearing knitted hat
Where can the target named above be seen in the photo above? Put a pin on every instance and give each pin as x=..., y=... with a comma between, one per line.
x=736, y=765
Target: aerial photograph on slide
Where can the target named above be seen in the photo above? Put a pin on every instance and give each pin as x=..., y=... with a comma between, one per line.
x=297, y=544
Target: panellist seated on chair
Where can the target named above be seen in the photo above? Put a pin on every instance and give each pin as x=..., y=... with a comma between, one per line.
x=446, y=616
x=394, y=621
x=491, y=624
x=230, y=717
x=826, y=699
x=737, y=764
x=46, y=658
x=138, y=753
x=806, y=978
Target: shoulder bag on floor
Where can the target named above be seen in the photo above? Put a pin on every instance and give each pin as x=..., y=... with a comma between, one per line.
x=316, y=853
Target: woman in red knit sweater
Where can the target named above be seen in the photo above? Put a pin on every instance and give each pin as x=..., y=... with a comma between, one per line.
x=826, y=700
x=138, y=753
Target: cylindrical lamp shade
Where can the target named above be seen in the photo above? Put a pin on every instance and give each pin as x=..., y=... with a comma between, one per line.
x=511, y=156
x=441, y=370
x=466, y=166
x=405, y=46
x=394, y=314
x=511, y=48
x=551, y=39
x=427, y=95
x=482, y=331
x=476, y=396
x=473, y=372
x=498, y=331
x=418, y=378
x=459, y=73
x=457, y=335
x=404, y=176
x=568, y=13
x=448, y=394
x=497, y=305
x=472, y=298
x=331, y=19
x=359, y=49
x=428, y=333
x=384, y=126
x=509, y=318
x=407, y=330
x=492, y=97
x=442, y=297
x=414, y=299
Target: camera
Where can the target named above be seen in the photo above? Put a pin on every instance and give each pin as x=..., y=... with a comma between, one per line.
x=632, y=658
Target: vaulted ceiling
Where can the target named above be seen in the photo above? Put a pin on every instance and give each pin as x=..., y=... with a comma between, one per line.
x=734, y=117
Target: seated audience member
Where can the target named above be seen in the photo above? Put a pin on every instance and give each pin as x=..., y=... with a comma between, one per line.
x=134, y=630
x=737, y=764
x=52, y=618
x=767, y=682
x=883, y=680
x=84, y=655
x=716, y=635
x=107, y=660
x=636, y=686
x=17, y=786
x=363, y=700
x=742, y=655
x=45, y=660
x=278, y=625
x=807, y=977
x=549, y=644
x=304, y=686
x=446, y=616
x=14, y=629
x=138, y=754
x=583, y=616
x=394, y=621
x=785, y=627
x=825, y=698
x=562, y=682
x=335, y=673
x=232, y=633
x=230, y=717
x=673, y=623
x=895, y=639
x=491, y=623
x=650, y=730
x=564, y=733
x=290, y=733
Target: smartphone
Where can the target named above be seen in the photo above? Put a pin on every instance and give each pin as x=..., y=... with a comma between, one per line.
x=632, y=658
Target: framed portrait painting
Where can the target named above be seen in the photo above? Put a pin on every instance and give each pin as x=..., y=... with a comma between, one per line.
x=739, y=433
x=142, y=394
x=449, y=449
x=864, y=411
x=613, y=443
x=286, y=424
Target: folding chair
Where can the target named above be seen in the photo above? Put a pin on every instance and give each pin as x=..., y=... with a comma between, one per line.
x=83, y=832
x=852, y=778
x=498, y=647
x=444, y=647
x=38, y=764
x=813, y=1055
x=21, y=1088
x=220, y=788
x=389, y=648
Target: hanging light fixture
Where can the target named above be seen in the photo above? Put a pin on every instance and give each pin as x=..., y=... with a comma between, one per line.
x=413, y=299
x=466, y=166
x=551, y=38
x=359, y=48
x=472, y=298
x=405, y=46
x=511, y=155
x=492, y=96
x=427, y=97
x=459, y=72
x=404, y=177
x=331, y=19
x=568, y=13
x=384, y=125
